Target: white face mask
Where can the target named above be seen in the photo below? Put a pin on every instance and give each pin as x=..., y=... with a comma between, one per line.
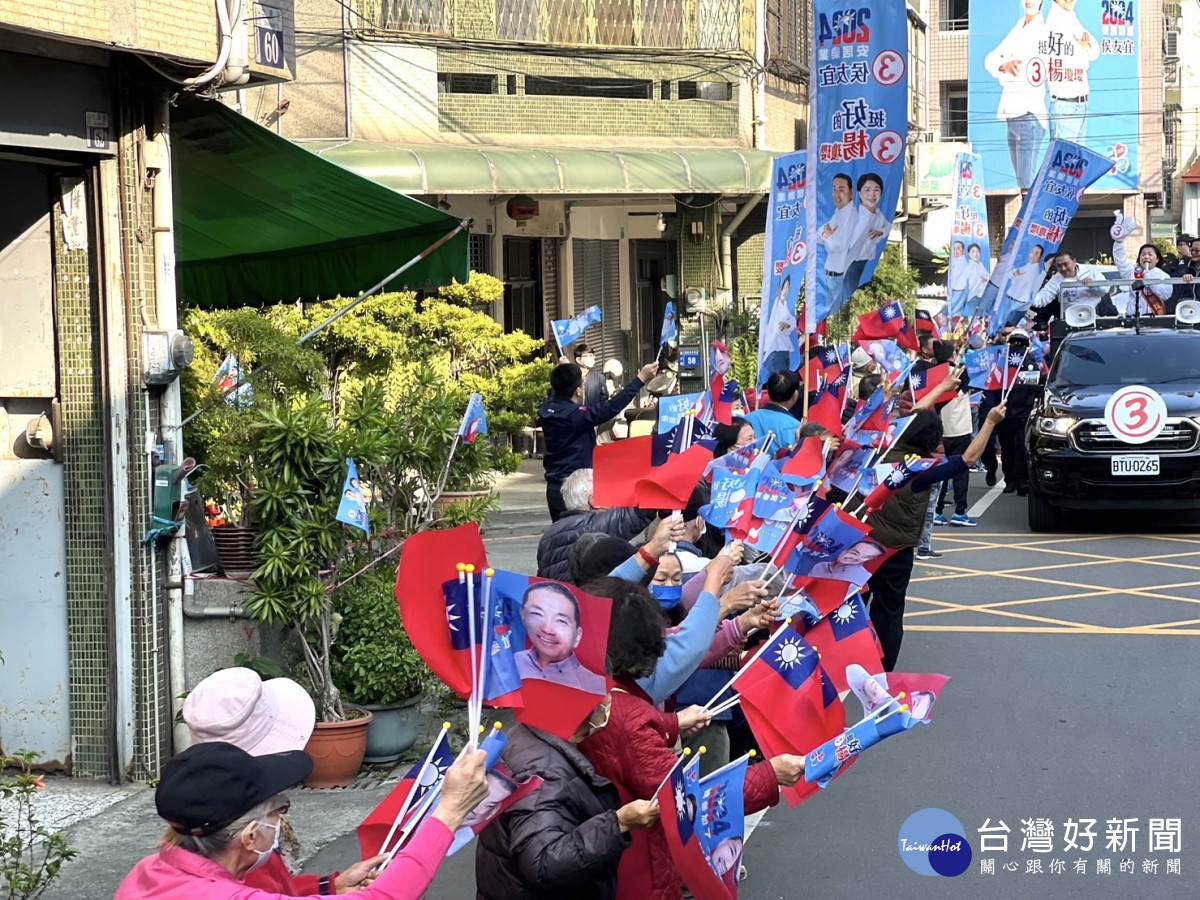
x=264, y=855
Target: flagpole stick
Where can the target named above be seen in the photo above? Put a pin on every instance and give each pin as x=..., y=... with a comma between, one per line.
x=441, y=485
x=1004, y=396
x=408, y=800
x=472, y=701
x=727, y=705
x=746, y=665
x=878, y=711
x=485, y=646
x=904, y=707
x=804, y=363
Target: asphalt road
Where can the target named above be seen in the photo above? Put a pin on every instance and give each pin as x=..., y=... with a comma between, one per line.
x=1073, y=669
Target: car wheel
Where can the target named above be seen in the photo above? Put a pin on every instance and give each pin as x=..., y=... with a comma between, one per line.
x=1042, y=516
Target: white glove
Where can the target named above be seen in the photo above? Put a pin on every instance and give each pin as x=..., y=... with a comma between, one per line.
x=1123, y=227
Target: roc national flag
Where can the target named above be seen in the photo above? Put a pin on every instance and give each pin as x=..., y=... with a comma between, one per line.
x=404, y=798
x=925, y=382
x=846, y=637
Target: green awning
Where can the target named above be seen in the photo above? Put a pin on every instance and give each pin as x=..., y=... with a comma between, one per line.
x=259, y=219
x=512, y=170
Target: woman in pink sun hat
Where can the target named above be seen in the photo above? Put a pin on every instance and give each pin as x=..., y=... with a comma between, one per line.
x=264, y=717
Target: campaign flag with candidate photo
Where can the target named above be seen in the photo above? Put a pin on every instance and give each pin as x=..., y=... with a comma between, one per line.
x=970, y=261
x=1065, y=175
x=846, y=637
x=893, y=361
x=504, y=792
x=352, y=507
x=790, y=701
x=920, y=689
x=872, y=414
x=568, y=331
x=1068, y=70
x=474, y=421
x=772, y=496
x=786, y=249
x=835, y=532
x=751, y=456
x=670, y=328
x=679, y=800
x=721, y=818
x=857, y=134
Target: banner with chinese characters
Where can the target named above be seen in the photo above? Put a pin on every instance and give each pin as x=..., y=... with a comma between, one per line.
x=786, y=250
x=857, y=133
x=1067, y=172
x=970, y=262
x=1054, y=70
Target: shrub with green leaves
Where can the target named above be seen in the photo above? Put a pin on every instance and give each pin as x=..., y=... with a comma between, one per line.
x=31, y=855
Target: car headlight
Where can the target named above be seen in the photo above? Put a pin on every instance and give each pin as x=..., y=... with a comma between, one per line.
x=1054, y=426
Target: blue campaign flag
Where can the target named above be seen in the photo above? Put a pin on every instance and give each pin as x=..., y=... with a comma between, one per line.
x=751, y=456
x=773, y=496
x=1069, y=72
x=474, y=421
x=857, y=135
x=984, y=366
x=568, y=331
x=786, y=250
x=721, y=818
x=672, y=409
x=970, y=261
x=766, y=537
x=670, y=329
x=1066, y=173
x=730, y=488
x=892, y=360
x=352, y=508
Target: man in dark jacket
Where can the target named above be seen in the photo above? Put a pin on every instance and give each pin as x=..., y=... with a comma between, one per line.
x=581, y=517
x=569, y=429
x=1181, y=267
x=595, y=386
x=1020, y=400
x=566, y=838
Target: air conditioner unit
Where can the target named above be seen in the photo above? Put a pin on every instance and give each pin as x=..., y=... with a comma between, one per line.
x=1171, y=44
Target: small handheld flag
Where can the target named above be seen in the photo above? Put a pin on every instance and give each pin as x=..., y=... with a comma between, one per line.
x=568, y=331
x=670, y=330
x=352, y=509
x=474, y=421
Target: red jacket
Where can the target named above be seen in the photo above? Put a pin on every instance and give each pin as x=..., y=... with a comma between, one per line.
x=277, y=878
x=634, y=752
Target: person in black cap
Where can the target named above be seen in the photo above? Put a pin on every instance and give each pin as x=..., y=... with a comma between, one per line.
x=224, y=810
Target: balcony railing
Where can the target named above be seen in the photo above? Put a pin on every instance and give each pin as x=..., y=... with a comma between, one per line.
x=652, y=24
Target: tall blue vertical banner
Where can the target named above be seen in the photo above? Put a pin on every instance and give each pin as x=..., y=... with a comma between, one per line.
x=786, y=252
x=970, y=263
x=1058, y=187
x=858, y=130
x=1041, y=70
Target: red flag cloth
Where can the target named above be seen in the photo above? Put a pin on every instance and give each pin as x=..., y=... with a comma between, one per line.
x=846, y=637
x=668, y=486
x=808, y=461
x=429, y=560
x=790, y=701
x=887, y=322
x=927, y=381
x=617, y=468
x=921, y=689
x=925, y=321
x=679, y=801
x=744, y=521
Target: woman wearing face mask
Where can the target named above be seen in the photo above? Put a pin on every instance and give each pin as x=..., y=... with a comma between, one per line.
x=567, y=837
x=262, y=717
x=225, y=814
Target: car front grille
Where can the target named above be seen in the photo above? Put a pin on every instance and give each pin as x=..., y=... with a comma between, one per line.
x=1177, y=436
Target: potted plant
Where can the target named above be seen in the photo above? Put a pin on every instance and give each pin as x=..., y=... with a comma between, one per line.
x=376, y=667
x=301, y=549
x=241, y=361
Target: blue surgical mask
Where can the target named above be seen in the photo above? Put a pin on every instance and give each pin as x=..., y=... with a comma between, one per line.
x=667, y=595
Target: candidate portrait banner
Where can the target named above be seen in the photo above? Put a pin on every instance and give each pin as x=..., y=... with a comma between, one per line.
x=970, y=263
x=786, y=251
x=857, y=134
x=1036, y=234
x=1040, y=72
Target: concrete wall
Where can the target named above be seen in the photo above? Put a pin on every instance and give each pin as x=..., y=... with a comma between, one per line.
x=184, y=29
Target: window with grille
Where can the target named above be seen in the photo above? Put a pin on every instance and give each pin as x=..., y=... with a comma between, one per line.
x=480, y=250
x=789, y=35
x=423, y=16
x=467, y=83
x=610, y=88
x=954, y=111
x=952, y=15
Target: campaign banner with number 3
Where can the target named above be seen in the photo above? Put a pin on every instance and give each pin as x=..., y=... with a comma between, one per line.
x=857, y=133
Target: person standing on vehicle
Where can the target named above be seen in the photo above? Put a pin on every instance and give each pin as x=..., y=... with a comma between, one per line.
x=1021, y=398
x=569, y=428
x=1187, y=267
x=1092, y=291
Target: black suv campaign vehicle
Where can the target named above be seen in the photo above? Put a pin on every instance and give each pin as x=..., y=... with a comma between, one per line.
x=1076, y=462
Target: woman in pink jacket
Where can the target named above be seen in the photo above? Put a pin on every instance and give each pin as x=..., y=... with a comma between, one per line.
x=224, y=809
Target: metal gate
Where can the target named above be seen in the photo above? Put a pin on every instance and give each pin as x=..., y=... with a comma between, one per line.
x=597, y=267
